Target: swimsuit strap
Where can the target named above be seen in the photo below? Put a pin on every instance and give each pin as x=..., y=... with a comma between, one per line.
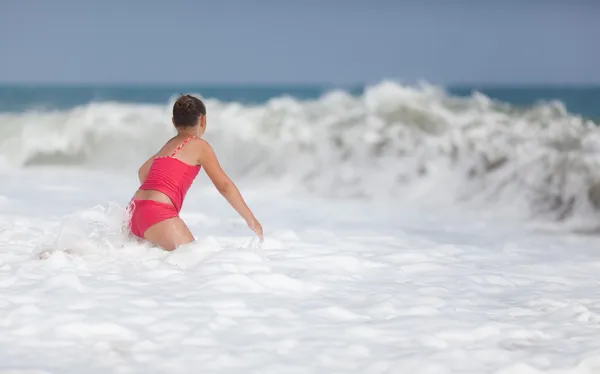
x=181, y=145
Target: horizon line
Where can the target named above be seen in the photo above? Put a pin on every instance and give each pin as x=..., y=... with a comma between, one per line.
x=465, y=84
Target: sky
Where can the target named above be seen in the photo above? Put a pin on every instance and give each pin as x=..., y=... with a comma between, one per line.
x=300, y=41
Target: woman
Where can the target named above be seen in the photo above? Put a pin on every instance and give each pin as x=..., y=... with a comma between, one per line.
x=166, y=177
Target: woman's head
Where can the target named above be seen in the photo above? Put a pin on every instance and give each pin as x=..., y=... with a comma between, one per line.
x=189, y=112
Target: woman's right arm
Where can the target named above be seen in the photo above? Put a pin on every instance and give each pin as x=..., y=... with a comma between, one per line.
x=226, y=187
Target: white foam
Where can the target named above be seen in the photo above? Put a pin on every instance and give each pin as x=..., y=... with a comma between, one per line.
x=413, y=144
x=337, y=286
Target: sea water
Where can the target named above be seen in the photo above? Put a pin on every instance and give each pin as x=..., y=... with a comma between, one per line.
x=408, y=229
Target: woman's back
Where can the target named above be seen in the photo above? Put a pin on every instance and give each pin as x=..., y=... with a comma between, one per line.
x=177, y=147
x=170, y=175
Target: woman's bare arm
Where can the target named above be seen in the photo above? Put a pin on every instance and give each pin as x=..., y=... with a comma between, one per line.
x=226, y=187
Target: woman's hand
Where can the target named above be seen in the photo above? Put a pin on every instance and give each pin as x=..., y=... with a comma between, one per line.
x=255, y=226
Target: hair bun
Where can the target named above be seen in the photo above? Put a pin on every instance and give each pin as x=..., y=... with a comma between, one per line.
x=189, y=105
x=185, y=102
x=187, y=109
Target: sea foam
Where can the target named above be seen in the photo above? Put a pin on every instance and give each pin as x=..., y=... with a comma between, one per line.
x=412, y=144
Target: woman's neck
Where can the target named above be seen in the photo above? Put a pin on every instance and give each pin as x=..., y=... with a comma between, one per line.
x=187, y=133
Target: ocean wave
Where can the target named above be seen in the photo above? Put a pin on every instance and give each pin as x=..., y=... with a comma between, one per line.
x=408, y=143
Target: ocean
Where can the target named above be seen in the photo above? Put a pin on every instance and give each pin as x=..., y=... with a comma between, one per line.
x=415, y=229
x=582, y=100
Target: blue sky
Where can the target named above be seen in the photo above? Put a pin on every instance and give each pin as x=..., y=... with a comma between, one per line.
x=304, y=41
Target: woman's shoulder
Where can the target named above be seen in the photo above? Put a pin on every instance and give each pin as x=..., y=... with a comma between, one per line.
x=201, y=149
x=200, y=143
x=204, y=151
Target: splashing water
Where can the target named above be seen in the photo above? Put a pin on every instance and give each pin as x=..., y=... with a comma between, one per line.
x=416, y=145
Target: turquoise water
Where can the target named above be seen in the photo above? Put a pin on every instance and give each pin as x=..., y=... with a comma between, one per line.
x=584, y=101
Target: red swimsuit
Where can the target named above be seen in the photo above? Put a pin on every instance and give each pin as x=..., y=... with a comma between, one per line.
x=170, y=176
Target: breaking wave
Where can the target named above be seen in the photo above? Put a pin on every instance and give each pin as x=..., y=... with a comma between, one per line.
x=394, y=141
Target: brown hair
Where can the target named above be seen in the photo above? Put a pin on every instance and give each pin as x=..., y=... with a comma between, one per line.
x=186, y=111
